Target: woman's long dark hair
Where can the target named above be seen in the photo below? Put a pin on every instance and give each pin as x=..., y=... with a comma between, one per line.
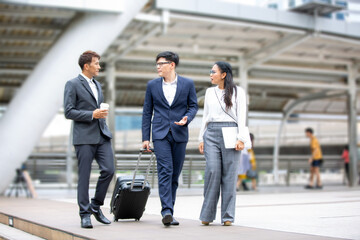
x=229, y=84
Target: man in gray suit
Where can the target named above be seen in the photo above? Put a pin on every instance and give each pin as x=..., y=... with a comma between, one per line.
x=91, y=136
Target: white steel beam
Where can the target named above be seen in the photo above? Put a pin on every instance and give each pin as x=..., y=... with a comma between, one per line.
x=233, y=23
x=353, y=41
x=106, y=6
x=274, y=44
x=24, y=59
x=37, y=38
x=145, y=17
x=15, y=71
x=313, y=58
x=184, y=60
x=302, y=69
x=23, y=49
x=190, y=50
x=295, y=76
x=204, y=41
x=296, y=84
x=352, y=124
x=327, y=51
x=235, y=32
x=132, y=45
x=32, y=26
x=280, y=49
x=22, y=12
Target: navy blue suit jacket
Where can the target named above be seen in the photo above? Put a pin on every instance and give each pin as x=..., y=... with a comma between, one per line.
x=184, y=104
x=79, y=104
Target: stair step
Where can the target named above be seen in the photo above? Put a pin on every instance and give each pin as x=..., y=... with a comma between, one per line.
x=11, y=233
x=35, y=229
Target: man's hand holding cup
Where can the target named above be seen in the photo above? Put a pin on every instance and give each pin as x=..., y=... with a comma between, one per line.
x=102, y=112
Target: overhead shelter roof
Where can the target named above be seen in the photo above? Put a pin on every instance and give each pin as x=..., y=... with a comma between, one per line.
x=287, y=55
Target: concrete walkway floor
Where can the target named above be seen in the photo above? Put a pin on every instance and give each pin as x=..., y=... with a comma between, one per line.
x=276, y=214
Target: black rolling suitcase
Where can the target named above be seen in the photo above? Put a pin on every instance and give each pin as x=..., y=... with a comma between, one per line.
x=131, y=194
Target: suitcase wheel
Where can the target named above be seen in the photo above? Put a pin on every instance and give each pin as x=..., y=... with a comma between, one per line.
x=137, y=219
x=115, y=220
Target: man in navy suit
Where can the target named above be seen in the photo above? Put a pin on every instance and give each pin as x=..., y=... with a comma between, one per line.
x=91, y=136
x=173, y=100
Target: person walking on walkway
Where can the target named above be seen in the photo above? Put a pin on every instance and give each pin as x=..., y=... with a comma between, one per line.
x=172, y=99
x=315, y=160
x=91, y=136
x=224, y=106
x=345, y=156
x=248, y=156
x=244, y=166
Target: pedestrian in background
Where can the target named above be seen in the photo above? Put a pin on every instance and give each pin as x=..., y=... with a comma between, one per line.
x=315, y=160
x=224, y=107
x=248, y=168
x=252, y=173
x=345, y=156
x=244, y=166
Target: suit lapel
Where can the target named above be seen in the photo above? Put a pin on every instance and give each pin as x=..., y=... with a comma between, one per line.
x=86, y=85
x=98, y=86
x=178, y=89
x=160, y=90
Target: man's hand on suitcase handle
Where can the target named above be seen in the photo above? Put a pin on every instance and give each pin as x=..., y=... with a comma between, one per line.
x=146, y=147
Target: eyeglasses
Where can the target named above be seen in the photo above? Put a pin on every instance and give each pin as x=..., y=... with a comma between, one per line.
x=212, y=72
x=160, y=64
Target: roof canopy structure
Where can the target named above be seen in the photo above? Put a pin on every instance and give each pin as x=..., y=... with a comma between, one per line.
x=286, y=55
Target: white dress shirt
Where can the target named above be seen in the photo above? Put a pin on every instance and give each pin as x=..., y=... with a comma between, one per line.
x=214, y=113
x=169, y=89
x=92, y=86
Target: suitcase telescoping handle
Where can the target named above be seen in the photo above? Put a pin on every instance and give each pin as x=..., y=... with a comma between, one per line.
x=148, y=168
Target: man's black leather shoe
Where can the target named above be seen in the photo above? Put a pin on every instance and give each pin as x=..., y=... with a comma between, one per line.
x=99, y=216
x=86, y=222
x=174, y=222
x=167, y=219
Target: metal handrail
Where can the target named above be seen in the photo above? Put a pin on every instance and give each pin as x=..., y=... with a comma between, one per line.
x=39, y=163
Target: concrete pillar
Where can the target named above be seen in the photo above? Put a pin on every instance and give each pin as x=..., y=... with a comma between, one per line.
x=277, y=149
x=243, y=75
x=69, y=159
x=352, y=123
x=41, y=96
x=111, y=100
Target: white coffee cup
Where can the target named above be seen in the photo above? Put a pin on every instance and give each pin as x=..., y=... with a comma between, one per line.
x=104, y=106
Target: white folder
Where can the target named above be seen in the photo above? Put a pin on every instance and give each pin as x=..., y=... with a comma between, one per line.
x=230, y=136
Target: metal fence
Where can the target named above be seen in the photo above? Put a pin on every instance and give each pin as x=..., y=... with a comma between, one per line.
x=50, y=168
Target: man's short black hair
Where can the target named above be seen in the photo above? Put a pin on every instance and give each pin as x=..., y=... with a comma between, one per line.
x=310, y=130
x=86, y=58
x=169, y=56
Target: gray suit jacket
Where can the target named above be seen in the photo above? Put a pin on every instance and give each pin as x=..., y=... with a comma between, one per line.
x=79, y=104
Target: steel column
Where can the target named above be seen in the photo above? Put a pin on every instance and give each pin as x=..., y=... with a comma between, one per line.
x=111, y=100
x=244, y=83
x=352, y=123
x=69, y=159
